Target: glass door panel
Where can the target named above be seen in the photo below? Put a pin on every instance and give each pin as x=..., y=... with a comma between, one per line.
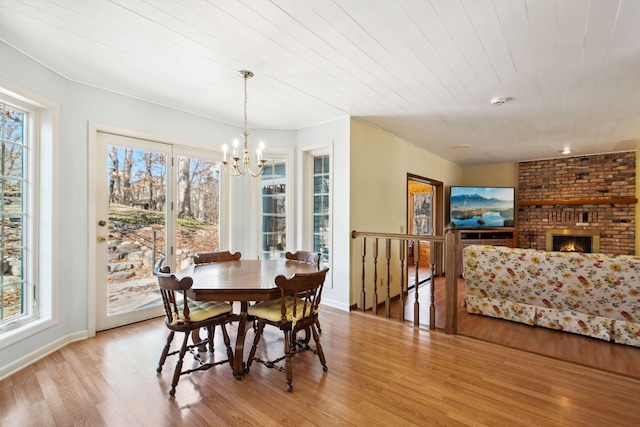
x=198, y=208
x=132, y=230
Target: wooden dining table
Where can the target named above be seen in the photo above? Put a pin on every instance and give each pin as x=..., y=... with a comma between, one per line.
x=240, y=281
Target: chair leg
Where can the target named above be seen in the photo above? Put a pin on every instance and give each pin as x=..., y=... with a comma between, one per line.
x=319, y=328
x=165, y=351
x=211, y=333
x=316, y=338
x=256, y=340
x=178, y=370
x=227, y=343
x=287, y=364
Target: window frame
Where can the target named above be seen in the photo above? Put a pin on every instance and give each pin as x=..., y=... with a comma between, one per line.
x=274, y=164
x=40, y=141
x=287, y=156
x=307, y=194
x=313, y=210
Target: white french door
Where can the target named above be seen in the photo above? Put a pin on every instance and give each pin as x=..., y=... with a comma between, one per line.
x=133, y=227
x=156, y=204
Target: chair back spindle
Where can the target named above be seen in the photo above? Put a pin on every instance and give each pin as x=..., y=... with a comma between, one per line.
x=305, y=289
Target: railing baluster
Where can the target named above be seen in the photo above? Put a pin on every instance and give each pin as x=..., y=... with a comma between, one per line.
x=401, y=311
x=432, y=307
x=450, y=245
x=375, y=276
x=363, y=295
x=387, y=305
x=416, y=303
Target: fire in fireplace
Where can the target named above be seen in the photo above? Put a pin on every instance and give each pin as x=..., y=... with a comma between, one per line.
x=571, y=244
x=567, y=240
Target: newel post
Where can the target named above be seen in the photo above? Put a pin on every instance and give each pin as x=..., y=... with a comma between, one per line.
x=452, y=269
x=363, y=295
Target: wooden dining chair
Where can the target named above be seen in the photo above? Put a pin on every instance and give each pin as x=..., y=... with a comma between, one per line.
x=308, y=258
x=304, y=256
x=296, y=309
x=181, y=317
x=209, y=257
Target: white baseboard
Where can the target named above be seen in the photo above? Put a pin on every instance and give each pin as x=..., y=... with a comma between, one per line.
x=335, y=304
x=23, y=362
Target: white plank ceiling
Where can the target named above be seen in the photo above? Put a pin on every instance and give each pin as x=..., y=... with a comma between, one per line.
x=424, y=71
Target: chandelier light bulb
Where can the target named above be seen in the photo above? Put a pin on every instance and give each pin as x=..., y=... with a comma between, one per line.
x=235, y=148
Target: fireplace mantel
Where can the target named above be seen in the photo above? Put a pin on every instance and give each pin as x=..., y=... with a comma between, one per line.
x=618, y=201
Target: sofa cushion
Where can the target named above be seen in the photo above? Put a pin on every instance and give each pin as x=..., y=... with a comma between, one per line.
x=626, y=332
x=502, y=309
x=573, y=321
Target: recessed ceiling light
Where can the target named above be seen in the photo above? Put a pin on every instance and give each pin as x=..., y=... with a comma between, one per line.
x=566, y=151
x=498, y=101
x=460, y=147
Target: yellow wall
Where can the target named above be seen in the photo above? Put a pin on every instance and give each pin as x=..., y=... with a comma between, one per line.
x=498, y=175
x=379, y=166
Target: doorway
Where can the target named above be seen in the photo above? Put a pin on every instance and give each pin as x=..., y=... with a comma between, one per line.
x=156, y=204
x=425, y=217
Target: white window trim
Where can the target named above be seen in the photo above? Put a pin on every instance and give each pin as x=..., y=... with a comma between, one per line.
x=42, y=211
x=287, y=154
x=307, y=200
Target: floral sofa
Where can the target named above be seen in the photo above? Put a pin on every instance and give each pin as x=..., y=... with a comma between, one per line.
x=597, y=295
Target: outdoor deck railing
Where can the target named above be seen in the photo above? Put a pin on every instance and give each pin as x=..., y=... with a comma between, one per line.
x=386, y=246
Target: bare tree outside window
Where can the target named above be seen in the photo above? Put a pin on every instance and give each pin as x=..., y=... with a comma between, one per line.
x=13, y=175
x=137, y=209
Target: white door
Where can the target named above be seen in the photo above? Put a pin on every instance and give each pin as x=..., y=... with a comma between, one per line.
x=157, y=204
x=134, y=228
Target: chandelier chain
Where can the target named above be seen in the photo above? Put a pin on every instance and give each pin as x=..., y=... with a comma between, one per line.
x=246, y=76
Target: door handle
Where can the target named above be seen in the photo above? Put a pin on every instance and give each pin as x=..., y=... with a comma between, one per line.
x=102, y=223
x=102, y=238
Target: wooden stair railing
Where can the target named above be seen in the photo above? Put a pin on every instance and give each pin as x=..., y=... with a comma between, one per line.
x=451, y=242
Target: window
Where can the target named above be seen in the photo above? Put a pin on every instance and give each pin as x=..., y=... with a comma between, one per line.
x=321, y=218
x=27, y=186
x=14, y=193
x=273, y=212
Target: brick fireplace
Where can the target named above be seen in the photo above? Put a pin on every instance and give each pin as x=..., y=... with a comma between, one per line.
x=582, y=196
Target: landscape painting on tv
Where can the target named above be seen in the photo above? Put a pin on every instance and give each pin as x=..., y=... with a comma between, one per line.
x=482, y=206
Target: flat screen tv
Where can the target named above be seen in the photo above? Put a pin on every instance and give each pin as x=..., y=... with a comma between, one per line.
x=482, y=207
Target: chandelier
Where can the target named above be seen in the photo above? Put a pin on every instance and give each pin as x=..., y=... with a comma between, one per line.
x=237, y=169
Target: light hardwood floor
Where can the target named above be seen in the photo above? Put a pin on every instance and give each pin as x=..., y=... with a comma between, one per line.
x=565, y=346
x=381, y=373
